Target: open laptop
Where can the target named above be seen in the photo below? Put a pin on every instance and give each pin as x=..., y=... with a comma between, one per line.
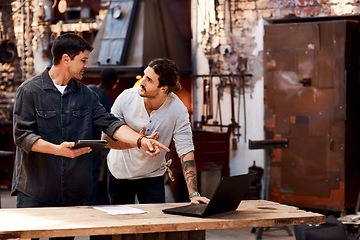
x=227, y=197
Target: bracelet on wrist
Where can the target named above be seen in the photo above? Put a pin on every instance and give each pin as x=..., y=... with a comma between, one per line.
x=138, y=141
x=194, y=194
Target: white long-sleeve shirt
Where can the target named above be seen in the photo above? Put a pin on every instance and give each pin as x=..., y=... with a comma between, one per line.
x=171, y=120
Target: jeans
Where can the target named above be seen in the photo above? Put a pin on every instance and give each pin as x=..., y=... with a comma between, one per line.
x=24, y=201
x=98, y=194
x=147, y=190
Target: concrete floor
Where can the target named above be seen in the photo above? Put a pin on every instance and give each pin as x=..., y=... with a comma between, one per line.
x=230, y=234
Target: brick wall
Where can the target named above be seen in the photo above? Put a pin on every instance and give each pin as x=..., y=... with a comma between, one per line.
x=239, y=32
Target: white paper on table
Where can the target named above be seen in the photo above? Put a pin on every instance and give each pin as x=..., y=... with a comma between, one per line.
x=116, y=210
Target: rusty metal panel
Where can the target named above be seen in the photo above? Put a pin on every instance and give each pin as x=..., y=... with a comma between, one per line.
x=303, y=165
x=285, y=80
x=282, y=123
x=319, y=124
x=331, y=62
x=292, y=36
x=275, y=60
x=306, y=67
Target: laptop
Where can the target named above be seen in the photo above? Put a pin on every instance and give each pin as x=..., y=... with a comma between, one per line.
x=227, y=197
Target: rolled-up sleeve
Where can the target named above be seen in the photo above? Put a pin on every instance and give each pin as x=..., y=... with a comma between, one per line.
x=183, y=135
x=24, y=119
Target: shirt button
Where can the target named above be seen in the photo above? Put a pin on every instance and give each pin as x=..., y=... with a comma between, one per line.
x=148, y=130
x=150, y=121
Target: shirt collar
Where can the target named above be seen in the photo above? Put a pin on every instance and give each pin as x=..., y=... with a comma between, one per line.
x=49, y=84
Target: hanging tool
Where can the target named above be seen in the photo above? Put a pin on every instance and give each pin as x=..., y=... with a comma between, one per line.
x=204, y=110
x=242, y=67
x=232, y=95
x=210, y=100
x=210, y=94
x=242, y=78
x=207, y=105
x=233, y=122
x=220, y=91
x=225, y=81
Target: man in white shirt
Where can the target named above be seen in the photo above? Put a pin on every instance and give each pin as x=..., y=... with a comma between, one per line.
x=154, y=106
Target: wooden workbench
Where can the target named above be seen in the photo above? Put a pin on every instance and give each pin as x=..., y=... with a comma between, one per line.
x=85, y=221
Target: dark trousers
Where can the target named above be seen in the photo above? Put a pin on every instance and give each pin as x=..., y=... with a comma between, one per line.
x=24, y=201
x=147, y=190
x=99, y=194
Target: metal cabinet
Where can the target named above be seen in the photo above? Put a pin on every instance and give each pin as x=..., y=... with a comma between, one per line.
x=312, y=99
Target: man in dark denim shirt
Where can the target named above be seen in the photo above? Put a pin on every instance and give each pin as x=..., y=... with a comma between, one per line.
x=52, y=111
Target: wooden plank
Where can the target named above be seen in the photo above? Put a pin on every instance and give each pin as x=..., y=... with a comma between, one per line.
x=87, y=221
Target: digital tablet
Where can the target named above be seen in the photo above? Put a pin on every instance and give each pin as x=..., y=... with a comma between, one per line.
x=96, y=145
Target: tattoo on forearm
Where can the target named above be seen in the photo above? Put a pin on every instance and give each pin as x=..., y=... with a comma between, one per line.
x=189, y=170
x=191, y=180
x=188, y=165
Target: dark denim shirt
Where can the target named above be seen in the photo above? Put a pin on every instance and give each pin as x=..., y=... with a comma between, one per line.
x=41, y=111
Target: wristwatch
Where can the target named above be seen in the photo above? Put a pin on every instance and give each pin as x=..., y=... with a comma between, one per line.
x=194, y=194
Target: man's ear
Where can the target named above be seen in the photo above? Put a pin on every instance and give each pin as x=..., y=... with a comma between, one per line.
x=66, y=58
x=164, y=89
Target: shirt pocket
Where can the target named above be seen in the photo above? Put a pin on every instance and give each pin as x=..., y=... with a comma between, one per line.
x=46, y=121
x=81, y=120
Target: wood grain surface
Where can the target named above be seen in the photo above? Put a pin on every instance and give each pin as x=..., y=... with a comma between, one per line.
x=87, y=221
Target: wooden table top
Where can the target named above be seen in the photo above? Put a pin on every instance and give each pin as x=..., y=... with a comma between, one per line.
x=86, y=221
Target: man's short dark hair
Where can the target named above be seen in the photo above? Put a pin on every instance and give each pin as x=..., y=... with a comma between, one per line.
x=70, y=44
x=168, y=73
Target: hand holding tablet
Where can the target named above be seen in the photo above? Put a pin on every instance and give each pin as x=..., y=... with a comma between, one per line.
x=96, y=145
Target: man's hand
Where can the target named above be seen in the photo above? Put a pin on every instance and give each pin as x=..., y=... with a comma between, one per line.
x=66, y=150
x=126, y=135
x=152, y=136
x=152, y=147
x=199, y=199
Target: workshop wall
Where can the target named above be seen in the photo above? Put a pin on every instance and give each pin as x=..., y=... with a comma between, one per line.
x=228, y=40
